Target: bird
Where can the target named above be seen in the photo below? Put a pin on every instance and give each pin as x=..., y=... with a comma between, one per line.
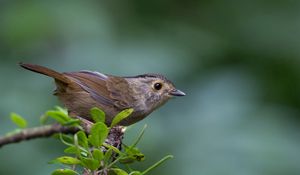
x=83, y=90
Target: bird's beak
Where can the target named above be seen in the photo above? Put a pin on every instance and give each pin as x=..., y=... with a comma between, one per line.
x=176, y=92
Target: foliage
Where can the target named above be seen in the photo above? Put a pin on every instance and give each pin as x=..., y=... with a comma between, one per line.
x=88, y=153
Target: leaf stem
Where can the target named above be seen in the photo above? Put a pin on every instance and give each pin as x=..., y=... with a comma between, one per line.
x=157, y=164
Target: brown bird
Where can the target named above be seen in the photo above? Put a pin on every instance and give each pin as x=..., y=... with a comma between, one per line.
x=83, y=90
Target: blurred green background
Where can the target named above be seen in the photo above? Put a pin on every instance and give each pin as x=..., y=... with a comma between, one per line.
x=237, y=60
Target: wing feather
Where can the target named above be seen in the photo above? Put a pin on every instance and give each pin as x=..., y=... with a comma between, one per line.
x=93, y=83
x=106, y=90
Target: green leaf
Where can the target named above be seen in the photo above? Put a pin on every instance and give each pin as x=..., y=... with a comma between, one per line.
x=108, y=155
x=64, y=172
x=65, y=139
x=67, y=160
x=121, y=116
x=59, y=116
x=71, y=150
x=113, y=148
x=97, y=115
x=119, y=171
x=91, y=164
x=18, y=120
x=82, y=139
x=99, y=132
x=63, y=110
x=135, y=173
x=133, y=154
x=98, y=155
x=58, y=111
x=77, y=151
x=72, y=122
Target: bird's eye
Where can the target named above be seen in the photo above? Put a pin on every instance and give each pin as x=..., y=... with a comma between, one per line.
x=157, y=86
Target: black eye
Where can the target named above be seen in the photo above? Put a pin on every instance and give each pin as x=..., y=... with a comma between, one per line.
x=157, y=86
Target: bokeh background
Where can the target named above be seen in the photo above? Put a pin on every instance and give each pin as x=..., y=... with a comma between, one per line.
x=237, y=60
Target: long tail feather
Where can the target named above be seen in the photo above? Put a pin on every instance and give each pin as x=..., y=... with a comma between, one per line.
x=45, y=71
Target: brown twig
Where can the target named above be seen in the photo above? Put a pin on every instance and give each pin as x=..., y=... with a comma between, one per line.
x=37, y=132
x=114, y=138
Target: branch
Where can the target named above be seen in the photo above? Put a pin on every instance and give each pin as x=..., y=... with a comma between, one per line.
x=114, y=138
x=37, y=132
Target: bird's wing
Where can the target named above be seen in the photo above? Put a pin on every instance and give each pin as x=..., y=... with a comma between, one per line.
x=94, y=83
x=106, y=90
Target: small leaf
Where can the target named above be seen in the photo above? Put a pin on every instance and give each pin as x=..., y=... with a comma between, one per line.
x=59, y=116
x=64, y=172
x=63, y=110
x=65, y=139
x=119, y=171
x=127, y=160
x=121, y=116
x=91, y=164
x=98, y=155
x=108, y=146
x=72, y=122
x=58, y=111
x=82, y=139
x=97, y=115
x=71, y=150
x=18, y=120
x=133, y=154
x=99, y=132
x=108, y=155
x=67, y=160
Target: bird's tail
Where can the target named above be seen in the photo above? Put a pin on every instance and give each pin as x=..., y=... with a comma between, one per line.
x=46, y=71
